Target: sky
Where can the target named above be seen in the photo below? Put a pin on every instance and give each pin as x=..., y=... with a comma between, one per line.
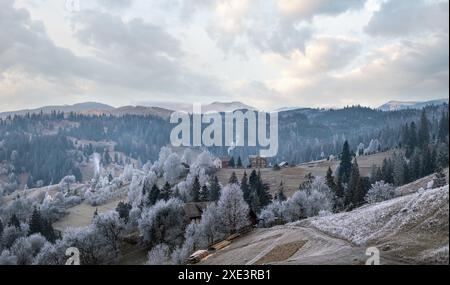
x=265, y=53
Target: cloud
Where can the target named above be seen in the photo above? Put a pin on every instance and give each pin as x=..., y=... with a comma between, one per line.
x=406, y=70
x=405, y=18
x=131, y=57
x=279, y=26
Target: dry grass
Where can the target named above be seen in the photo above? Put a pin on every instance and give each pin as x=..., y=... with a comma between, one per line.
x=281, y=252
x=292, y=177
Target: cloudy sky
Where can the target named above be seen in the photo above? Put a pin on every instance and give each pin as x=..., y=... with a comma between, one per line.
x=265, y=53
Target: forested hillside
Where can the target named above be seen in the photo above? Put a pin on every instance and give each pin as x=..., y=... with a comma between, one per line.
x=48, y=146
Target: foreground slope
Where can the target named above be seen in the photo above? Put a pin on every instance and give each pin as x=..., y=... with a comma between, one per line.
x=412, y=229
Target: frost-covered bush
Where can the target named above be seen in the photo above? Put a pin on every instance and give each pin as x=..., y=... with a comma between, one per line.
x=128, y=171
x=379, y=192
x=159, y=255
x=110, y=227
x=272, y=214
x=316, y=199
x=66, y=182
x=23, y=251
x=172, y=168
x=11, y=234
x=373, y=147
x=103, y=195
x=309, y=202
x=54, y=208
x=163, y=222
x=7, y=258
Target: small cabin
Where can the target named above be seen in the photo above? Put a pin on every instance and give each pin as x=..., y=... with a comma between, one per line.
x=257, y=161
x=194, y=211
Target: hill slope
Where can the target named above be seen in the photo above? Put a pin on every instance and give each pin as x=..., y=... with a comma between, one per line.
x=411, y=229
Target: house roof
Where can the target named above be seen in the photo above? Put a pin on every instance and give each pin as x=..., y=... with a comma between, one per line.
x=195, y=210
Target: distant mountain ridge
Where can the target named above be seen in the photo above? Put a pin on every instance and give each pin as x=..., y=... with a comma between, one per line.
x=77, y=108
x=402, y=105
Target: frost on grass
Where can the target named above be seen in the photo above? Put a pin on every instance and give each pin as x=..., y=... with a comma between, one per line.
x=388, y=218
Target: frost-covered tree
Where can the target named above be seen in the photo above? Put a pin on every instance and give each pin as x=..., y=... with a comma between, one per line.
x=159, y=255
x=379, y=192
x=188, y=156
x=163, y=223
x=66, y=182
x=7, y=258
x=128, y=171
x=210, y=225
x=172, y=168
x=23, y=251
x=272, y=214
x=110, y=227
x=308, y=202
x=12, y=233
x=232, y=209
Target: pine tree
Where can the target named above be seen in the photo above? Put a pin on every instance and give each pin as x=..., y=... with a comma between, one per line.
x=48, y=231
x=424, y=131
x=14, y=221
x=245, y=188
x=123, y=209
x=166, y=192
x=153, y=195
x=196, y=190
x=214, y=189
x=204, y=194
x=353, y=186
x=95, y=213
x=35, y=222
x=263, y=192
x=330, y=179
x=232, y=163
x=345, y=166
x=239, y=162
x=233, y=179
x=443, y=128
x=1, y=227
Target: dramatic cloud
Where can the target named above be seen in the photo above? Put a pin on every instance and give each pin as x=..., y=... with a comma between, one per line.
x=405, y=17
x=266, y=53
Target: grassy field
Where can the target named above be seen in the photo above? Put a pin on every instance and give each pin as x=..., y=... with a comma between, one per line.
x=292, y=177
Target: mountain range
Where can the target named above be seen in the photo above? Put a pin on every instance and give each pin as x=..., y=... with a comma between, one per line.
x=165, y=109
x=402, y=105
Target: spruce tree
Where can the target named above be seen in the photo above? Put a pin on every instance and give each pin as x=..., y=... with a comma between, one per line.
x=263, y=191
x=166, y=192
x=424, y=131
x=245, y=188
x=1, y=227
x=353, y=186
x=345, y=166
x=232, y=163
x=14, y=221
x=35, y=222
x=123, y=209
x=204, y=194
x=153, y=195
x=196, y=190
x=443, y=128
x=214, y=189
x=233, y=179
x=329, y=178
x=239, y=162
x=48, y=231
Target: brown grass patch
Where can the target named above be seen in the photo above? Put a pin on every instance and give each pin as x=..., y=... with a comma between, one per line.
x=281, y=252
